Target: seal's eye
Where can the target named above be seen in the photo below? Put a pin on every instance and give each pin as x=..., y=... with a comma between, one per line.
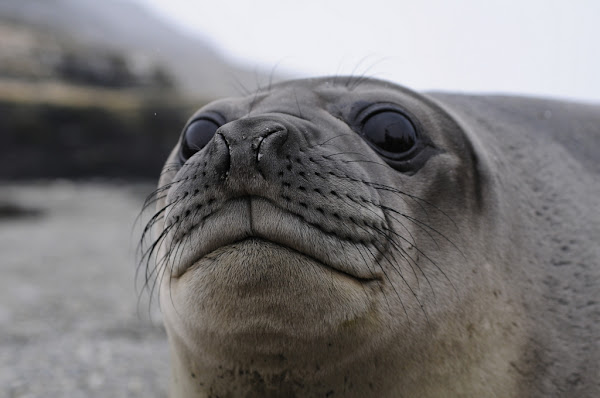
x=390, y=132
x=195, y=137
x=394, y=134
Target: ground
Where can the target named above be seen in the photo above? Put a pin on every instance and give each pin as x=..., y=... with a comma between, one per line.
x=70, y=321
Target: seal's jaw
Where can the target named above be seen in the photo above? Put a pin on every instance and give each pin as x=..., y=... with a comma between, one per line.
x=255, y=315
x=255, y=288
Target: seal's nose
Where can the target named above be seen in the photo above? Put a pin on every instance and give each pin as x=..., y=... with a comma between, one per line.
x=253, y=144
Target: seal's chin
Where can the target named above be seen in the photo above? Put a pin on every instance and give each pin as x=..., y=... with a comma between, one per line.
x=259, y=288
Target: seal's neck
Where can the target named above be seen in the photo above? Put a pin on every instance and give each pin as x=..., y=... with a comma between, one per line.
x=190, y=379
x=431, y=371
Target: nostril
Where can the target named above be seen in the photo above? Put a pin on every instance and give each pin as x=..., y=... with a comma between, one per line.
x=271, y=142
x=256, y=147
x=223, y=166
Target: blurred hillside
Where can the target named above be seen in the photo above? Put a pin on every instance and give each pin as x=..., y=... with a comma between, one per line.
x=98, y=89
x=143, y=39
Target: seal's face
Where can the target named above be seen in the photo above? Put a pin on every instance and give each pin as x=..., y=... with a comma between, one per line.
x=310, y=223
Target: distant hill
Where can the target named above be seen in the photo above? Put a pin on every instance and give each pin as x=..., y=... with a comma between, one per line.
x=35, y=56
x=139, y=37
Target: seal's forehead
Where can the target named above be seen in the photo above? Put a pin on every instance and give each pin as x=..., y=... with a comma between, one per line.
x=341, y=93
x=310, y=95
x=335, y=87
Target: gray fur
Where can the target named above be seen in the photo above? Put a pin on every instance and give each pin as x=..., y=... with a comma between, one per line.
x=294, y=262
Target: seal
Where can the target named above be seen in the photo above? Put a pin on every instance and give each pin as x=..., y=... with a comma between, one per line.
x=348, y=237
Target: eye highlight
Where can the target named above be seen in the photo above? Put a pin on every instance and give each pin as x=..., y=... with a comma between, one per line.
x=197, y=135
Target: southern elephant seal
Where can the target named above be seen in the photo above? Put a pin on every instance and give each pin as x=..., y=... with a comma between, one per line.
x=346, y=237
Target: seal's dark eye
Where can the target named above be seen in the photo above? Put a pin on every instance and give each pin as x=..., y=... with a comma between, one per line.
x=390, y=132
x=196, y=136
x=394, y=134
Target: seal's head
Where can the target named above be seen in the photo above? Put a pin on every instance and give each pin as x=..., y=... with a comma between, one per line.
x=310, y=241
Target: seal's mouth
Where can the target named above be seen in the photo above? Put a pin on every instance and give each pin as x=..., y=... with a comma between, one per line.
x=258, y=219
x=258, y=240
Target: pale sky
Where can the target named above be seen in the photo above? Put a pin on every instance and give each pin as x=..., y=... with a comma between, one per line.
x=536, y=47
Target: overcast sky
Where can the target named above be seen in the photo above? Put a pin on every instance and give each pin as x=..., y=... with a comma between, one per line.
x=539, y=47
